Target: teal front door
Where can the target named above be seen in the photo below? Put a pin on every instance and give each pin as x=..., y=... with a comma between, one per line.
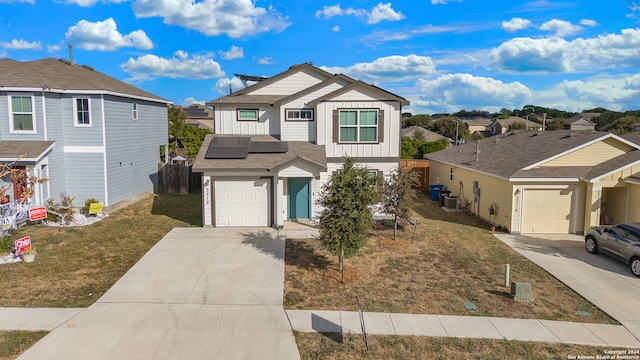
x=299, y=206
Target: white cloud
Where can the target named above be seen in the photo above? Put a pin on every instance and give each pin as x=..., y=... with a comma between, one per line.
x=440, y=2
x=53, y=48
x=104, y=36
x=381, y=12
x=515, y=24
x=390, y=68
x=21, y=44
x=588, y=22
x=182, y=66
x=235, y=18
x=265, y=61
x=190, y=101
x=560, y=27
x=87, y=3
x=384, y=12
x=17, y=1
x=335, y=28
x=559, y=55
x=222, y=85
x=454, y=92
x=635, y=10
x=235, y=52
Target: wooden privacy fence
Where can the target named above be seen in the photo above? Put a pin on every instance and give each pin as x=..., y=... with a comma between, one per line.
x=421, y=167
x=178, y=179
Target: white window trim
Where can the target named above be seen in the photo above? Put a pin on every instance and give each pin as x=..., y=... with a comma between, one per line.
x=33, y=114
x=135, y=108
x=75, y=112
x=257, y=114
x=287, y=118
x=358, y=127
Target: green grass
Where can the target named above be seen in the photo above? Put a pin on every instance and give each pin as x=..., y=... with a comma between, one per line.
x=14, y=343
x=75, y=266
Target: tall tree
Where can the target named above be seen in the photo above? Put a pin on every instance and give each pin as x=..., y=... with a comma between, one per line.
x=623, y=125
x=420, y=120
x=346, y=200
x=399, y=194
x=177, y=117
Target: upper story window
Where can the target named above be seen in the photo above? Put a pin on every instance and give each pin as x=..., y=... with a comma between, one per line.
x=134, y=107
x=247, y=114
x=81, y=112
x=22, y=114
x=300, y=115
x=358, y=125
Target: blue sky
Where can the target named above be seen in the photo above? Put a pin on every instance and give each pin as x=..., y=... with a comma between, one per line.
x=441, y=55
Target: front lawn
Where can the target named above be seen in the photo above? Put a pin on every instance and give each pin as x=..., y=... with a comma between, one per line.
x=75, y=266
x=453, y=259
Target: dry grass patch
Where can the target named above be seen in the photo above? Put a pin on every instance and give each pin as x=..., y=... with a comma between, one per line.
x=453, y=258
x=351, y=346
x=75, y=266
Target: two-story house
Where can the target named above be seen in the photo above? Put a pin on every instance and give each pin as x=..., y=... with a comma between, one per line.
x=279, y=140
x=91, y=135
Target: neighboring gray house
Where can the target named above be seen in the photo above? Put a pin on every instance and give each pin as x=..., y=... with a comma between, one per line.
x=581, y=121
x=91, y=135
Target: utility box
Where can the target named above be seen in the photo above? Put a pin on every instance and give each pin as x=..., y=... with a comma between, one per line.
x=521, y=291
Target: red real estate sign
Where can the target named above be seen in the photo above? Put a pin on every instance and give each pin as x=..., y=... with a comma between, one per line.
x=23, y=245
x=38, y=213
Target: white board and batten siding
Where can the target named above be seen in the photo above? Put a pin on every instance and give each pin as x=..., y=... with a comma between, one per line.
x=304, y=130
x=291, y=84
x=389, y=147
x=227, y=121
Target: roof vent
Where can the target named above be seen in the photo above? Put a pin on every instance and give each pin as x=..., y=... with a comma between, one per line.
x=64, y=61
x=87, y=67
x=534, y=134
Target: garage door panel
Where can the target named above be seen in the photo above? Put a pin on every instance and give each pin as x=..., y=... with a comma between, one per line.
x=242, y=202
x=547, y=211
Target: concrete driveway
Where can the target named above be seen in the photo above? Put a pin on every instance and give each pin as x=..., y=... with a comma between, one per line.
x=605, y=282
x=198, y=294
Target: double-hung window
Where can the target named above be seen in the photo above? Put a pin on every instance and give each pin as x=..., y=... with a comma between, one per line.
x=300, y=115
x=358, y=125
x=247, y=115
x=81, y=112
x=134, y=107
x=22, y=114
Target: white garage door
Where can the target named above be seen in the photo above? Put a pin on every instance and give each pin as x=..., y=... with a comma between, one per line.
x=242, y=202
x=547, y=211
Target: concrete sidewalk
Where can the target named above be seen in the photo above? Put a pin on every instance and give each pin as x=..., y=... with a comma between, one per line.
x=463, y=327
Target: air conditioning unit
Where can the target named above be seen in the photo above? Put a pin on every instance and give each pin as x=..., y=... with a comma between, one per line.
x=451, y=203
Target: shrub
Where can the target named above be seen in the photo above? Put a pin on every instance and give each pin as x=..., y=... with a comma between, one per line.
x=65, y=206
x=87, y=205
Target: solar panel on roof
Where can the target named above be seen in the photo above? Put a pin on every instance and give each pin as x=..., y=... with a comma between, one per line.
x=236, y=147
x=268, y=147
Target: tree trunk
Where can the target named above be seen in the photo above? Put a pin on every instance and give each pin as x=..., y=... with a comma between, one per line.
x=395, y=227
x=341, y=261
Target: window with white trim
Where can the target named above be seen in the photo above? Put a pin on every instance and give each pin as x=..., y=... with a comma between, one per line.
x=247, y=114
x=134, y=107
x=81, y=112
x=358, y=125
x=21, y=113
x=300, y=115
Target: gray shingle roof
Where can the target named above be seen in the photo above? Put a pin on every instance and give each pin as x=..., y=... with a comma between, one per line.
x=427, y=134
x=306, y=151
x=23, y=150
x=507, y=155
x=56, y=75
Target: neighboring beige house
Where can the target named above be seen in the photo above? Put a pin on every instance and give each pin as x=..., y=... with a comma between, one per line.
x=581, y=121
x=278, y=141
x=477, y=125
x=427, y=135
x=500, y=126
x=545, y=182
x=200, y=116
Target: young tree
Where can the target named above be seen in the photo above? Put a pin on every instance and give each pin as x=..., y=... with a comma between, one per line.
x=399, y=194
x=176, y=116
x=346, y=200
